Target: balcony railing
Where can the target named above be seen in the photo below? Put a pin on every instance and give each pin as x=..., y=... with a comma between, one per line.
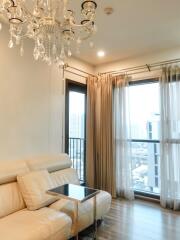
x=77, y=153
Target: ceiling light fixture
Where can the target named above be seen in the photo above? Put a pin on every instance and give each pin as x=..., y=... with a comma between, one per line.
x=50, y=24
x=101, y=53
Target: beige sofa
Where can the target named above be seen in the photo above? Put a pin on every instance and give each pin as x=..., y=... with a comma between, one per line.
x=52, y=222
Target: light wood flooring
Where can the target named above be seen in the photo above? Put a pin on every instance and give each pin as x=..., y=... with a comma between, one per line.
x=139, y=220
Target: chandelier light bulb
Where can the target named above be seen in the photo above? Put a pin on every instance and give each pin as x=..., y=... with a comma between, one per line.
x=0, y=26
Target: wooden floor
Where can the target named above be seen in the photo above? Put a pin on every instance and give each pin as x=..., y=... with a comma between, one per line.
x=139, y=220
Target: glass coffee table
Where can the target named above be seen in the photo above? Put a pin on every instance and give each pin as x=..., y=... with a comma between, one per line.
x=77, y=194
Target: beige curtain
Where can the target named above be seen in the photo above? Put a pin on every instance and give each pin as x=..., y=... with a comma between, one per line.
x=100, y=157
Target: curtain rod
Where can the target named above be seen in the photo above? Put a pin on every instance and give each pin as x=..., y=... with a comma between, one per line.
x=78, y=70
x=131, y=70
x=77, y=74
x=148, y=67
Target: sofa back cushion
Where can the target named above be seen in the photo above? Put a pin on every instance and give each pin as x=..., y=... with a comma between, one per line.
x=11, y=199
x=65, y=176
x=51, y=163
x=10, y=169
x=33, y=186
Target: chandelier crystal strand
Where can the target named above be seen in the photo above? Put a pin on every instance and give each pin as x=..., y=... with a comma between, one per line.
x=22, y=49
x=51, y=25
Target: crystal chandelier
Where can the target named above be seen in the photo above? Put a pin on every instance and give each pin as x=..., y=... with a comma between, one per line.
x=51, y=25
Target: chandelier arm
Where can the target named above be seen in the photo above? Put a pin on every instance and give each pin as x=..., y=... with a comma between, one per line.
x=81, y=25
x=86, y=37
x=25, y=35
x=13, y=3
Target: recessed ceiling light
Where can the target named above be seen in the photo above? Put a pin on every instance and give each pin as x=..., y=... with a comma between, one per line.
x=108, y=10
x=101, y=53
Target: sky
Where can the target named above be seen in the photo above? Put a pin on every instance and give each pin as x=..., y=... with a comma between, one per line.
x=144, y=101
x=144, y=104
x=76, y=102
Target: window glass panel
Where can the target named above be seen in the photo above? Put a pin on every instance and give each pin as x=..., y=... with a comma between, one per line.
x=146, y=169
x=76, y=114
x=76, y=138
x=145, y=128
x=145, y=111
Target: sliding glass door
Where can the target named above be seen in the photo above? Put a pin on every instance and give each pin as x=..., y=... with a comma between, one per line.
x=145, y=134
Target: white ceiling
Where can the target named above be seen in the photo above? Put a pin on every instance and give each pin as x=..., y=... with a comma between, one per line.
x=136, y=27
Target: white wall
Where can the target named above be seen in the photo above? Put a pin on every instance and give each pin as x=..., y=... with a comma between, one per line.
x=31, y=103
x=81, y=65
x=141, y=60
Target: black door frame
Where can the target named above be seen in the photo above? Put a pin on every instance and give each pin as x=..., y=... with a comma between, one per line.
x=81, y=88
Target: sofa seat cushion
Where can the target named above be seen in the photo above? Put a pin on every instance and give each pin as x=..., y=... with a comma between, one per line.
x=85, y=210
x=43, y=224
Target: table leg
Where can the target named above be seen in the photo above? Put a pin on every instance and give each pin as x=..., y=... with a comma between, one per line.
x=76, y=220
x=95, y=220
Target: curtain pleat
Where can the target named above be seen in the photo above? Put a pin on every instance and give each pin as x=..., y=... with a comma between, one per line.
x=108, y=136
x=122, y=138
x=170, y=137
x=91, y=133
x=100, y=157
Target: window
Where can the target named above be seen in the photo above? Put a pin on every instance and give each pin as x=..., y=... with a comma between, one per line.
x=75, y=126
x=145, y=127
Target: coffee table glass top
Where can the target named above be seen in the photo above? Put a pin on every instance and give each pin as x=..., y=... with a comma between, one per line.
x=74, y=192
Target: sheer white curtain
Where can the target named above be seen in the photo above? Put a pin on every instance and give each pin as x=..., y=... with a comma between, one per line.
x=122, y=142
x=170, y=134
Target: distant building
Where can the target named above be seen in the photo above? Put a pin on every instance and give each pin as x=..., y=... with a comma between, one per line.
x=153, y=128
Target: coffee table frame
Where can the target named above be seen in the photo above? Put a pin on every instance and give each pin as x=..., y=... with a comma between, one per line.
x=77, y=202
